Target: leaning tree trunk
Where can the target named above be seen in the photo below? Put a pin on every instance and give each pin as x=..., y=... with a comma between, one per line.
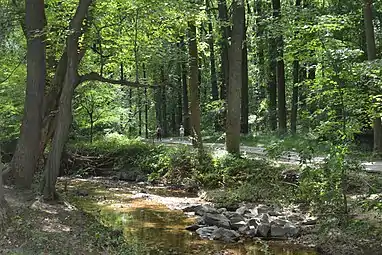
x=25, y=159
x=64, y=115
x=235, y=78
x=194, y=88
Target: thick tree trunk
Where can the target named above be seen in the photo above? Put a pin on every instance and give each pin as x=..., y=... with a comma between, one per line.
x=26, y=156
x=164, y=122
x=194, y=88
x=372, y=55
x=235, y=81
x=244, y=88
x=64, y=116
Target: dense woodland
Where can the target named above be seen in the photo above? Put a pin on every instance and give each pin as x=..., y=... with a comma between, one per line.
x=77, y=70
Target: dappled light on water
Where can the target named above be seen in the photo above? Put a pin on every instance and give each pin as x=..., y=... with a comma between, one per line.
x=151, y=228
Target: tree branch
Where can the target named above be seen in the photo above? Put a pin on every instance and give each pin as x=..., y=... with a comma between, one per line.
x=96, y=77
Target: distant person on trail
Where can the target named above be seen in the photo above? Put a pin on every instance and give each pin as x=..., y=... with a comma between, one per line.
x=181, y=132
x=159, y=133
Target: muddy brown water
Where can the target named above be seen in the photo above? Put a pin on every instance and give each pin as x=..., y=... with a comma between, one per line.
x=150, y=227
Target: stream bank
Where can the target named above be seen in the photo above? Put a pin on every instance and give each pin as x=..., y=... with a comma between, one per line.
x=151, y=219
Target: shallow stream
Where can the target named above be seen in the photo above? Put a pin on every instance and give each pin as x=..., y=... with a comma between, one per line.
x=151, y=227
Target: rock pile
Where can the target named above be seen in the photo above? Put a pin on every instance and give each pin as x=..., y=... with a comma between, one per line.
x=258, y=221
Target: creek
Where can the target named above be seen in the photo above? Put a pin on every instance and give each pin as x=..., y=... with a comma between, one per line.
x=150, y=225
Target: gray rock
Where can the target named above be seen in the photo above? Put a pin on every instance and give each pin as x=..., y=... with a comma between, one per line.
x=260, y=209
x=202, y=210
x=206, y=232
x=280, y=228
x=250, y=215
x=225, y=235
x=221, y=210
x=278, y=231
x=194, y=227
x=292, y=229
x=199, y=209
x=254, y=222
x=251, y=232
x=295, y=218
x=219, y=220
x=264, y=218
x=237, y=225
x=243, y=210
x=244, y=229
x=263, y=229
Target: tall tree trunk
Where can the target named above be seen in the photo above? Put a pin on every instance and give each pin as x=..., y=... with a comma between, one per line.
x=296, y=75
x=372, y=55
x=211, y=43
x=244, y=88
x=272, y=84
x=164, y=122
x=280, y=70
x=194, y=88
x=179, y=110
x=64, y=116
x=26, y=156
x=235, y=78
x=224, y=26
x=146, y=105
x=186, y=116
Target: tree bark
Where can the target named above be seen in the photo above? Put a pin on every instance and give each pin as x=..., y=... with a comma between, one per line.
x=235, y=78
x=244, y=88
x=272, y=85
x=224, y=27
x=211, y=43
x=186, y=116
x=26, y=156
x=4, y=207
x=194, y=87
x=372, y=55
x=64, y=116
x=281, y=102
x=146, y=105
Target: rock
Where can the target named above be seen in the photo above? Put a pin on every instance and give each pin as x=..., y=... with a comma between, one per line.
x=141, y=178
x=250, y=215
x=225, y=235
x=261, y=209
x=295, y=218
x=282, y=228
x=237, y=225
x=278, y=231
x=244, y=229
x=264, y=218
x=243, y=210
x=213, y=219
x=206, y=232
x=199, y=209
x=254, y=222
x=191, y=208
x=194, y=227
x=251, y=232
x=234, y=217
x=221, y=210
x=263, y=229
x=309, y=222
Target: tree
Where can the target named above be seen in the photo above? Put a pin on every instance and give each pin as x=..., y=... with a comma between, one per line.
x=280, y=70
x=371, y=54
x=64, y=116
x=244, y=88
x=235, y=78
x=194, y=87
x=26, y=155
x=4, y=207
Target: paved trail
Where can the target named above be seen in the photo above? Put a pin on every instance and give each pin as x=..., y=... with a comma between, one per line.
x=288, y=157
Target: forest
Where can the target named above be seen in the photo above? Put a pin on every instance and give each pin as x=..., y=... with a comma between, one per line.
x=191, y=127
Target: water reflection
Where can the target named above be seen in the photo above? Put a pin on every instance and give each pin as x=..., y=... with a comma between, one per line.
x=151, y=228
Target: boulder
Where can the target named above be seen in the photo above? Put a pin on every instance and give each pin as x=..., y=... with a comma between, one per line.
x=206, y=232
x=282, y=228
x=260, y=209
x=264, y=218
x=221, y=210
x=237, y=225
x=213, y=219
x=251, y=232
x=253, y=222
x=236, y=220
x=225, y=235
x=199, y=209
x=263, y=229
